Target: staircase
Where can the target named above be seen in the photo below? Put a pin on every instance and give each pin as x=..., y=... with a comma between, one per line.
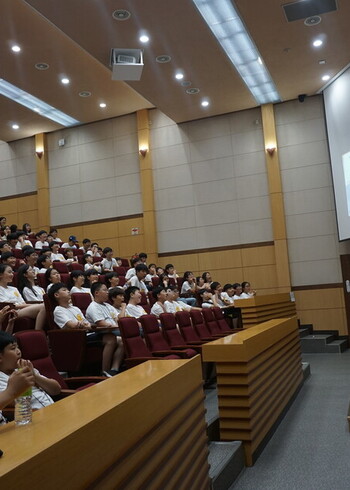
x=321, y=341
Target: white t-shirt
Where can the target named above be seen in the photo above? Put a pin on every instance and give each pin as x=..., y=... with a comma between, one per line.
x=186, y=287
x=246, y=296
x=66, y=245
x=135, y=311
x=92, y=266
x=134, y=281
x=39, y=244
x=20, y=245
x=174, y=306
x=109, y=264
x=129, y=273
x=97, y=312
x=63, y=315
x=40, y=398
x=10, y=295
x=29, y=295
x=227, y=298
x=80, y=290
x=208, y=304
x=59, y=257
x=238, y=297
x=157, y=309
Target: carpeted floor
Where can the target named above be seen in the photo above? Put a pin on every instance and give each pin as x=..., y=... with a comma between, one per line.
x=311, y=448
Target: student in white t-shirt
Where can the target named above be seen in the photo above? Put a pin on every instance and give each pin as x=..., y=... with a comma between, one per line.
x=10, y=294
x=131, y=272
x=227, y=295
x=52, y=276
x=137, y=280
x=55, y=255
x=72, y=240
x=77, y=279
x=237, y=288
x=44, y=262
x=54, y=234
x=42, y=240
x=160, y=294
x=247, y=292
x=116, y=297
x=26, y=284
x=22, y=241
x=133, y=300
x=108, y=262
x=90, y=264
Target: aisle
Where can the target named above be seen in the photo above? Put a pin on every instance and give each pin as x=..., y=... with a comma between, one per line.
x=311, y=448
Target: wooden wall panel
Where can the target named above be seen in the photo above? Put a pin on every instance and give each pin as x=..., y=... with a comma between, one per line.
x=20, y=210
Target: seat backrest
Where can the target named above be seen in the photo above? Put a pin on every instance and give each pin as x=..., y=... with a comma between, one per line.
x=170, y=331
x=153, y=335
x=33, y=345
x=121, y=271
x=65, y=278
x=50, y=305
x=133, y=344
x=75, y=266
x=155, y=281
x=210, y=321
x=199, y=324
x=144, y=303
x=222, y=323
x=61, y=267
x=81, y=300
x=183, y=319
x=122, y=281
x=125, y=263
x=180, y=281
x=17, y=252
x=42, y=282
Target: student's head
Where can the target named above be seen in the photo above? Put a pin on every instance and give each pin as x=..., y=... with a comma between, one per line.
x=188, y=275
x=42, y=235
x=159, y=271
x=143, y=257
x=216, y=287
x=245, y=287
x=25, y=276
x=77, y=278
x=172, y=293
x=206, y=276
x=72, y=240
x=20, y=233
x=119, y=261
x=133, y=294
x=5, y=230
x=13, y=228
x=200, y=281
x=169, y=269
x=2, y=221
x=152, y=269
x=9, y=259
x=205, y=294
x=92, y=276
x=88, y=259
x=6, y=273
x=86, y=243
x=237, y=288
x=9, y=353
x=111, y=279
x=134, y=261
x=12, y=239
x=116, y=296
x=4, y=247
x=30, y=256
x=141, y=271
x=159, y=294
x=108, y=252
x=54, y=247
x=27, y=228
x=44, y=262
x=53, y=232
x=99, y=292
x=59, y=293
x=52, y=276
x=228, y=288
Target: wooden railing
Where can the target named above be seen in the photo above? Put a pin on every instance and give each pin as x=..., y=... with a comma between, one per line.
x=263, y=308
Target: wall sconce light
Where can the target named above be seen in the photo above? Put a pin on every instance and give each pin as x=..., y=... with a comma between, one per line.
x=271, y=150
x=143, y=151
x=39, y=153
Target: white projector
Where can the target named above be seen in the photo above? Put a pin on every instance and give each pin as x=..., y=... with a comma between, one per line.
x=127, y=64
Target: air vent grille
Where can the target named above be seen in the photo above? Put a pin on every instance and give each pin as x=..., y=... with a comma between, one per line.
x=301, y=9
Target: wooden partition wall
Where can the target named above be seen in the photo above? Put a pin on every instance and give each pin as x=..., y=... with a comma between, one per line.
x=143, y=428
x=258, y=372
x=262, y=308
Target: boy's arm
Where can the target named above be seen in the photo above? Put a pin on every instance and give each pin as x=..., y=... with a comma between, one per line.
x=18, y=383
x=51, y=386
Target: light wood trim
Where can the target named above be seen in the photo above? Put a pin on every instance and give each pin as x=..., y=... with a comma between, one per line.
x=261, y=308
x=144, y=426
x=258, y=371
x=42, y=175
x=216, y=249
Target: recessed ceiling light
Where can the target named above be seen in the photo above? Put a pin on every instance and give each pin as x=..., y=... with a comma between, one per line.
x=65, y=81
x=103, y=105
x=317, y=43
x=121, y=14
x=144, y=38
x=325, y=78
x=322, y=62
x=312, y=21
x=186, y=83
x=16, y=49
x=85, y=93
x=163, y=58
x=41, y=66
x=205, y=103
x=192, y=91
x=15, y=126
x=179, y=75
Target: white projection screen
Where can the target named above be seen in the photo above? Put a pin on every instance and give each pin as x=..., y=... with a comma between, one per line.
x=337, y=106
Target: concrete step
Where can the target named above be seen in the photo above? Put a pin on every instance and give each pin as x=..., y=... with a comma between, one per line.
x=337, y=346
x=226, y=461
x=319, y=343
x=304, y=332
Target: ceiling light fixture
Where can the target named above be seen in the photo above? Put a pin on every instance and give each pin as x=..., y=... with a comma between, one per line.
x=225, y=23
x=179, y=75
x=34, y=104
x=163, y=58
x=144, y=38
x=103, y=105
x=317, y=43
x=205, y=103
x=16, y=49
x=65, y=81
x=15, y=126
x=325, y=78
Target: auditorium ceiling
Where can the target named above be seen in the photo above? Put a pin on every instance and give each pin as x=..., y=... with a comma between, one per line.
x=75, y=38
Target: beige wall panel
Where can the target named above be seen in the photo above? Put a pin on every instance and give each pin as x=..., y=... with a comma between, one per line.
x=326, y=319
x=319, y=299
x=8, y=206
x=77, y=231
x=125, y=226
x=261, y=277
x=30, y=217
x=128, y=246
x=100, y=230
x=220, y=259
x=225, y=276
x=110, y=242
x=182, y=263
x=258, y=256
x=27, y=203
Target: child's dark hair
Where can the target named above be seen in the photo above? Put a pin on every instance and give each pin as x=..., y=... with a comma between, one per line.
x=23, y=282
x=129, y=291
x=157, y=290
x=73, y=275
x=41, y=260
x=95, y=287
x=228, y=286
x=48, y=273
x=54, y=289
x=214, y=285
x=106, y=250
x=187, y=274
x=113, y=292
x=85, y=256
x=108, y=278
x=5, y=340
x=141, y=267
x=6, y=255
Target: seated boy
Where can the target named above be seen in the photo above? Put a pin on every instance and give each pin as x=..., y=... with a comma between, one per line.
x=10, y=360
x=18, y=383
x=70, y=317
x=159, y=293
x=137, y=280
x=108, y=262
x=133, y=300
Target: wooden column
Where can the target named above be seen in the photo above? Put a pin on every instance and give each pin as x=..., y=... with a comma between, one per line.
x=147, y=188
x=276, y=199
x=42, y=175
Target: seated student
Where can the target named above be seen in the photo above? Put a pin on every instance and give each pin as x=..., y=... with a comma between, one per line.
x=10, y=360
x=207, y=280
x=27, y=229
x=14, y=228
x=116, y=297
x=227, y=310
x=160, y=294
x=111, y=280
x=131, y=272
x=207, y=298
x=108, y=262
x=199, y=283
x=22, y=241
x=159, y=271
x=133, y=300
x=119, y=261
x=86, y=246
x=72, y=240
x=12, y=240
x=227, y=295
x=189, y=287
x=26, y=284
x=5, y=230
x=90, y=264
x=237, y=290
x=54, y=234
x=95, y=249
x=141, y=271
x=4, y=246
x=44, y=262
x=10, y=294
x=247, y=292
x=30, y=258
x=53, y=277
x=172, y=303
x=151, y=273
x=70, y=317
x=69, y=256
x=91, y=276
x=143, y=257
x=77, y=279
x=170, y=271
x=55, y=255
x=3, y=221
x=9, y=259
x=11, y=314
x=42, y=240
